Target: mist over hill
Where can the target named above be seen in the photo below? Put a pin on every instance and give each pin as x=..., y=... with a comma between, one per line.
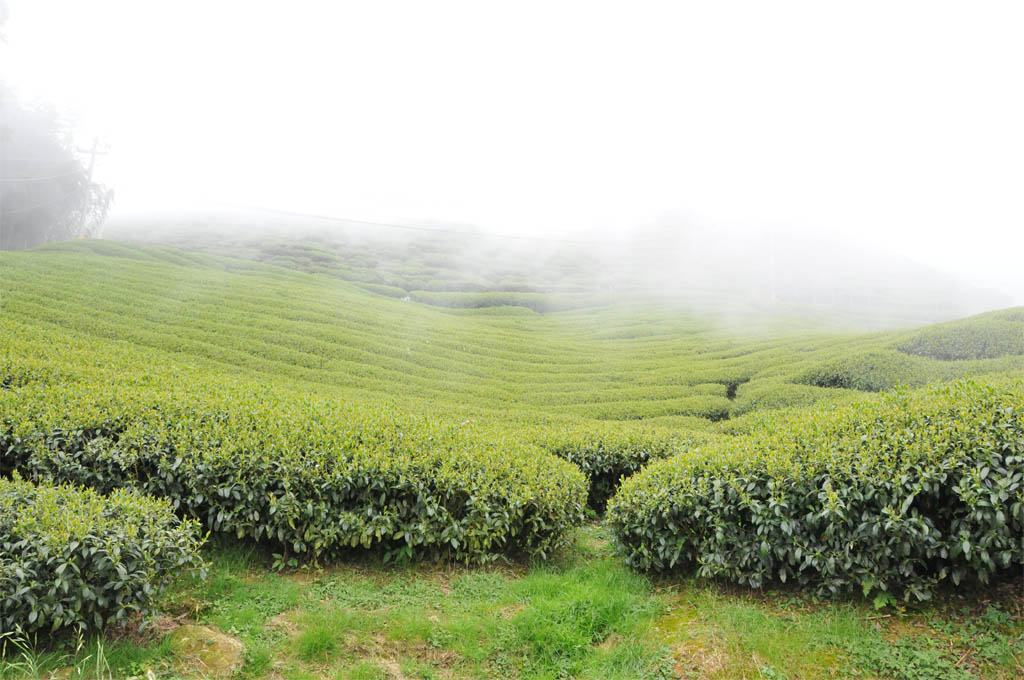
x=736, y=271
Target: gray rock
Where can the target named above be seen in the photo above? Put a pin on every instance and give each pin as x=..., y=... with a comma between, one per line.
x=207, y=652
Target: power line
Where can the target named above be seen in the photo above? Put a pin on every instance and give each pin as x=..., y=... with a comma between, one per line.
x=38, y=179
x=30, y=208
x=61, y=161
x=389, y=225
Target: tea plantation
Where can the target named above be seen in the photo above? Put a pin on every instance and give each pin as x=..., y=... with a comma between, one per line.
x=354, y=484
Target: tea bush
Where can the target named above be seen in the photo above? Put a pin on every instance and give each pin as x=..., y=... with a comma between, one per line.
x=160, y=314
x=311, y=476
x=72, y=558
x=899, y=493
x=606, y=454
x=542, y=303
x=772, y=395
x=870, y=372
x=381, y=289
x=984, y=337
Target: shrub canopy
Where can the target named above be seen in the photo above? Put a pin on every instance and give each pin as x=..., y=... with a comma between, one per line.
x=72, y=558
x=312, y=476
x=985, y=337
x=899, y=493
x=607, y=453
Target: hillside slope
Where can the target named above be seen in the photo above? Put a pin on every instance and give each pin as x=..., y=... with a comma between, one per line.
x=698, y=266
x=148, y=313
x=303, y=420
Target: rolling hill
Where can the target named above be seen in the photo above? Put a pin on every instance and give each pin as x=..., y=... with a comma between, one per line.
x=153, y=311
x=721, y=268
x=318, y=429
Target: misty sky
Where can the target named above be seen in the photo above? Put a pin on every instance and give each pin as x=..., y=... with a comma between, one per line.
x=895, y=123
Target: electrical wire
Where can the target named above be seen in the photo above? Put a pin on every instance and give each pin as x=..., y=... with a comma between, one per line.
x=55, y=161
x=12, y=180
x=30, y=208
x=390, y=225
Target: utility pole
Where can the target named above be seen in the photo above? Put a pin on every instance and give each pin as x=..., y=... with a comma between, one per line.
x=93, y=152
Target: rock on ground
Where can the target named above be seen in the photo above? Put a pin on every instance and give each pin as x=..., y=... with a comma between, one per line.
x=207, y=651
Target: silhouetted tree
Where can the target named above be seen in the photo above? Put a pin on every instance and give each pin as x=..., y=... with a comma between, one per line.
x=46, y=194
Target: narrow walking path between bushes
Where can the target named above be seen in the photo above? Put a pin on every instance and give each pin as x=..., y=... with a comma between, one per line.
x=583, y=615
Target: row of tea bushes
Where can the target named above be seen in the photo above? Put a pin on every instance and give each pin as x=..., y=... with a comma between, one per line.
x=899, y=493
x=314, y=477
x=873, y=371
x=542, y=303
x=708, y=406
x=987, y=336
x=130, y=311
x=773, y=394
x=608, y=452
x=72, y=558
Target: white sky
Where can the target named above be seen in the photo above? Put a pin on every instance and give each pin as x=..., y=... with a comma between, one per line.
x=896, y=123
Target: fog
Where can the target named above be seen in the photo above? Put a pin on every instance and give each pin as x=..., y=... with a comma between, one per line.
x=888, y=129
x=734, y=276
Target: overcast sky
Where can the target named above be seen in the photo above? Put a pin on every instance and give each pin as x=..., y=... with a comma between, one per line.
x=895, y=123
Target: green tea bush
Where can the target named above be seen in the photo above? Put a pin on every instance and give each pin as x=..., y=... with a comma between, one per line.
x=21, y=372
x=142, y=317
x=311, y=476
x=606, y=453
x=72, y=558
x=899, y=493
x=387, y=291
x=707, y=406
x=986, y=337
x=542, y=303
x=1015, y=314
x=870, y=372
x=771, y=395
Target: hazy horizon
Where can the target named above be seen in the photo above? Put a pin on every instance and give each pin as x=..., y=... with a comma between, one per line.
x=894, y=126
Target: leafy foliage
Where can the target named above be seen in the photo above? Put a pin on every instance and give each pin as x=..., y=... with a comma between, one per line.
x=870, y=372
x=897, y=494
x=539, y=302
x=314, y=477
x=251, y=396
x=774, y=394
x=71, y=558
x=164, y=313
x=606, y=454
x=982, y=337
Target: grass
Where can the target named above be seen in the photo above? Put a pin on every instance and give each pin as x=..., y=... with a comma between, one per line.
x=94, y=658
x=717, y=633
x=582, y=615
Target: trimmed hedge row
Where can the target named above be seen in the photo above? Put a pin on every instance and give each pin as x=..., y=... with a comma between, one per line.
x=899, y=494
x=871, y=372
x=71, y=558
x=542, y=303
x=311, y=476
x=606, y=453
x=772, y=394
x=986, y=337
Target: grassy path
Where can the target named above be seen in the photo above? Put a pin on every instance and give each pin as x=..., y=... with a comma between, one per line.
x=582, y=616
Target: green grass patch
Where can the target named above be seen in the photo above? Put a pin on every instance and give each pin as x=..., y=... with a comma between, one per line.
x=585, y=615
